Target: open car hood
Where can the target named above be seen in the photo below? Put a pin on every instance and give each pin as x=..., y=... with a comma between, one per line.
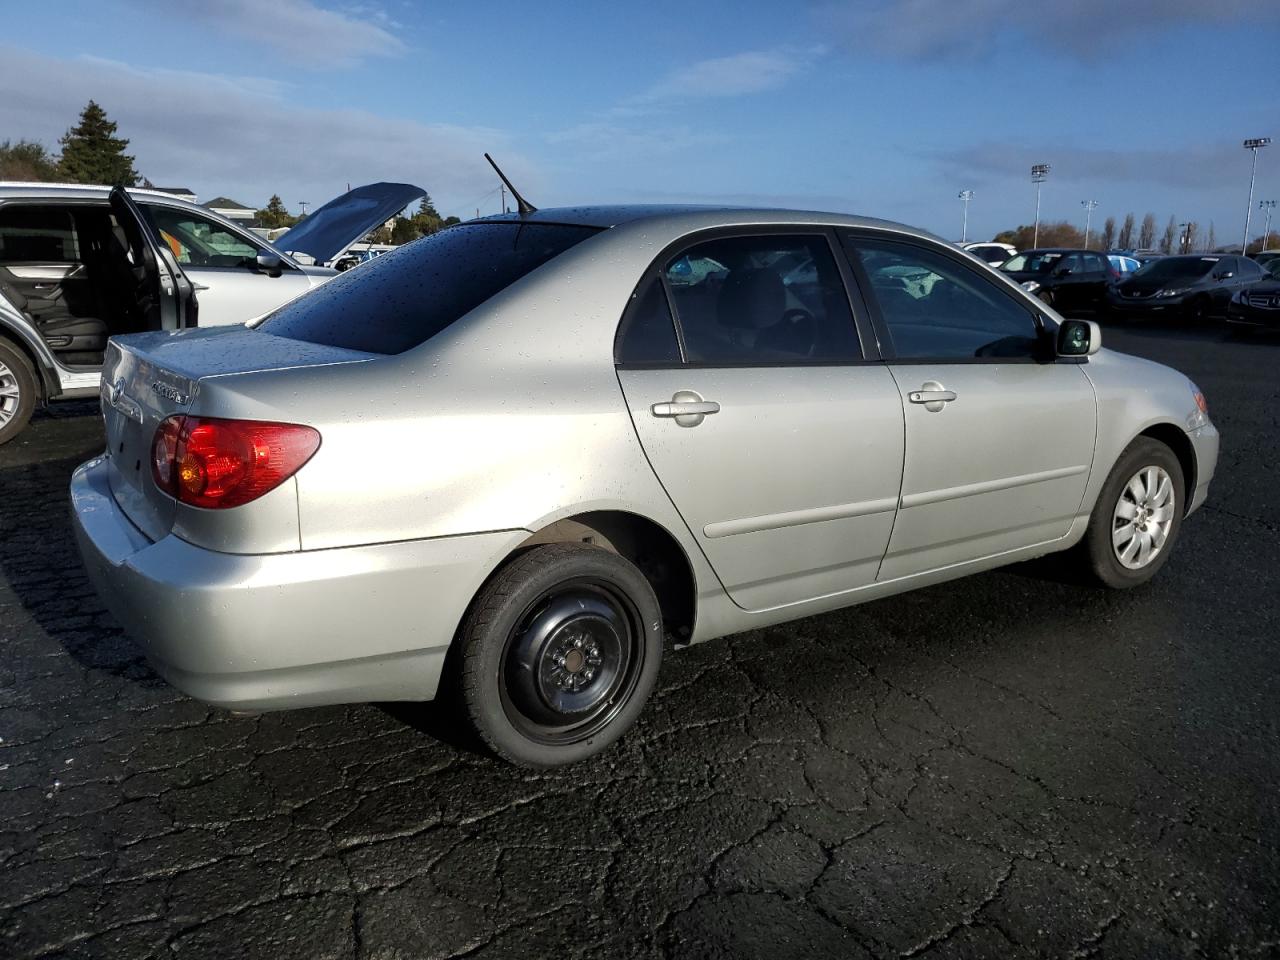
x=327, y=233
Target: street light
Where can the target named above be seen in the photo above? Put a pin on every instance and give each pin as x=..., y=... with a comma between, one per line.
x=1039, y=174
x=966, y=196
x=1183, y=238
x=1255, y=145
x=1267, y=205
x=1089, y=206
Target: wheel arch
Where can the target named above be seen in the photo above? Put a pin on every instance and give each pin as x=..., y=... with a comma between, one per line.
x=648, y=544
x=21, y=340
x=1176, y=439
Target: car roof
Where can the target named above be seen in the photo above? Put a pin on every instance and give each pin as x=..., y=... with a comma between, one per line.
x=677, y=216
x=76, y=191
x=1061, y=250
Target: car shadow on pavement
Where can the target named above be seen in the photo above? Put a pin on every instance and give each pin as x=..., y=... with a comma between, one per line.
x=40, y=566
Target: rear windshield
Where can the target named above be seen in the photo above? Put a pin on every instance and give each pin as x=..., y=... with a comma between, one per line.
x=1177, y=268
x=405, y=297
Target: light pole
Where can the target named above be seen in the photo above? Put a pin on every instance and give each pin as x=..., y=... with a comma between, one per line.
x=1254, y=145
x=966, y=196
x=1267, y=205
x=1039, y=174
x=1182, y=237
x=303, y=204
x=1089, y=207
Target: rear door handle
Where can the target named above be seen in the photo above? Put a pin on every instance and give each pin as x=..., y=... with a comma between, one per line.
x=933, y=395
x=686, y=407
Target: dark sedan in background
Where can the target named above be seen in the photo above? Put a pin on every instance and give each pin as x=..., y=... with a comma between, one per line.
x=1192, y=286
x=1067, y=280
x=1258, y=305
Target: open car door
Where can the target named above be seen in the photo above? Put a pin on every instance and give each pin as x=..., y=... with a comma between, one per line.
x=166, y=298
x=326, y=234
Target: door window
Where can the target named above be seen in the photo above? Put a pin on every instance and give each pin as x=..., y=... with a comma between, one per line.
x=37, y=234
x=198, y=242
x=1093, y=263
x=934, y=307
x=764, y=299
x=647, y=334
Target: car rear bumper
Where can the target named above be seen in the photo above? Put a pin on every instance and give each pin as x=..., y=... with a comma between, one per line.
x=265, y=632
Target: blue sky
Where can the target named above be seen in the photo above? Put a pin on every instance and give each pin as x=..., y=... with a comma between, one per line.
x=883, y=107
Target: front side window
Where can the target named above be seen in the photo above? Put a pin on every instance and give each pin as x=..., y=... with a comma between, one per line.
x=405, y=297
x=1034, y=262
x=198, y=242
x=763, y=299
x=934, y=307
x=37, y=234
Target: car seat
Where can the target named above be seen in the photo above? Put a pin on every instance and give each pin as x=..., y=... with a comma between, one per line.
x=61, y=330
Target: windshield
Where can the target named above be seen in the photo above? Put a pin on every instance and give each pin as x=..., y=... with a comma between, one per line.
x=1176, y=268
x=405, y=297
x=1031, y=263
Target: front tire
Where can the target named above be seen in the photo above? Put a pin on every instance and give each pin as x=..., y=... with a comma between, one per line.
x=19, y=391
x=1137, y=517
x=559, y=653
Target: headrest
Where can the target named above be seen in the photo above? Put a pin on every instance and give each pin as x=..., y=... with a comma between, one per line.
x=751, y=299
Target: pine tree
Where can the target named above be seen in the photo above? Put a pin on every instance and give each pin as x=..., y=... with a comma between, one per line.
x=92, y=153
x=1125, y=240
x=275, y=214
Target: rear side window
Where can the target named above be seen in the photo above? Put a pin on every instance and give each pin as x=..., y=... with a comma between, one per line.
x=405, y=297
x=774, y=298
x=647, y=333
x=37, y=234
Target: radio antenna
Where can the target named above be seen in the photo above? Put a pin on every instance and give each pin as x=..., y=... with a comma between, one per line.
x=522, y=205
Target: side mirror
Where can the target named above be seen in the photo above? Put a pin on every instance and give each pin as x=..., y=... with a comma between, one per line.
x=1226, y=275
x=1079, y=338
x=270, y=264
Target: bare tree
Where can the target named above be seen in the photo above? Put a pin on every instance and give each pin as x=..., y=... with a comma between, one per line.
x=1147, y=236
x=1169, y=236
x=1189, y=237
x=1108, y=236
x=1211, y=241
x=1125, y=240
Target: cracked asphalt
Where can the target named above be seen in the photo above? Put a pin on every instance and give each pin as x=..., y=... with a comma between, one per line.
x=1009, y=765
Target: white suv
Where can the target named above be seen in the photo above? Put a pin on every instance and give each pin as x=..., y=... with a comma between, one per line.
x=79, y=264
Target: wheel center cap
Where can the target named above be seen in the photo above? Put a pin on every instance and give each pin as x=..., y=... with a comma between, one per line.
x=574, y=661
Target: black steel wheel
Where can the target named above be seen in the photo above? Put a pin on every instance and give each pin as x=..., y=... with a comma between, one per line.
x=559, y=653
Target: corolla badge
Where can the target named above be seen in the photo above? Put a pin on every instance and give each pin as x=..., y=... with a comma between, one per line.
x=169, y=392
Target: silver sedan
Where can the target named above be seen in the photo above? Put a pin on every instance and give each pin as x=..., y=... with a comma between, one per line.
x=515, y=457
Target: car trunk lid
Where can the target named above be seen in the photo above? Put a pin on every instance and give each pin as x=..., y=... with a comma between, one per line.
x=149, y=377
x=325, y=234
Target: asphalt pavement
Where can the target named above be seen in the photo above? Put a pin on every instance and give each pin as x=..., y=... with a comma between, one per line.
x=1010, y=765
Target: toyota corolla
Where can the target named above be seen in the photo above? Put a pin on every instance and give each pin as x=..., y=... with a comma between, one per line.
x=518, y=456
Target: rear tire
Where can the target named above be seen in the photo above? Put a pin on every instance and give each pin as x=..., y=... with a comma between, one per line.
x=1136, y=520
x=19, y=391
x=559, y=653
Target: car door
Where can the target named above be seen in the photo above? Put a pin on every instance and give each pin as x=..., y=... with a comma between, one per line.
x=778, y=439
x=170, y=294
x=223, y=264
x=1068, y=279
x=1098, y=277
x=999, y=436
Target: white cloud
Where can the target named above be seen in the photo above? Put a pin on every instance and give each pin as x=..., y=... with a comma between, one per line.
x=731, y=76
x=969, y=29
x=301, y=31
x=240, y=137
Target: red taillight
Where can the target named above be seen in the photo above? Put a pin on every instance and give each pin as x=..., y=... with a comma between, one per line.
x=210, y=462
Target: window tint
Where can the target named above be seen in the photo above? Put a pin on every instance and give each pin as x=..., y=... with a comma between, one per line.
x=198, y=242
x=1094, y=263
x=1249, y=270
x=766, y=299
x=936, y=307
x=647, y=333
x=37, y=234
x=405, y=297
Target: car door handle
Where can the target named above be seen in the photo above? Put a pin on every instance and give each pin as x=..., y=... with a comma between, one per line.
x=686, y=407
x=931, y=396
x=197, y=287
